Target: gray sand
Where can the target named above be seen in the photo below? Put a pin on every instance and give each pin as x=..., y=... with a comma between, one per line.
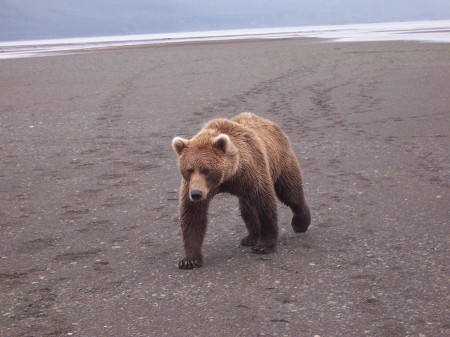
x=89, y=233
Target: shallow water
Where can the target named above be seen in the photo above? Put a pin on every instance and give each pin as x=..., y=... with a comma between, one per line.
x=427, y=31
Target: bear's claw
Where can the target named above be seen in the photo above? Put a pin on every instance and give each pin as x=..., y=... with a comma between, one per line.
x=247, y=242
x=189, y=264
x=262, y=250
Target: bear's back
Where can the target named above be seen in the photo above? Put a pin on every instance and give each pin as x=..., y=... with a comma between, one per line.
x=252, y=135
x=276, y=143
x=270, y=133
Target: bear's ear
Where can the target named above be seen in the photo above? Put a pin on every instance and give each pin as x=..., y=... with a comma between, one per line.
x=222, y=142
x=178, y=144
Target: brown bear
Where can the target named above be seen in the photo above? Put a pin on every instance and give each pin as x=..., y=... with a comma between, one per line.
x=249, y=157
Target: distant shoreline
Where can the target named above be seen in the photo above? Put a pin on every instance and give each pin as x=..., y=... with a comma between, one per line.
x=425, y=31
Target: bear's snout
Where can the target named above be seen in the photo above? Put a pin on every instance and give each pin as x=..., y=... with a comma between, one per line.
x=196, y=195
x=198, y=187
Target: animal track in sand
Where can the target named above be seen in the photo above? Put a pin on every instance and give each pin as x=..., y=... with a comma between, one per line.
x=75, y=256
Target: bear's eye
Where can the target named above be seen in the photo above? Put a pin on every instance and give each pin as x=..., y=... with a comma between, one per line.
x=204, y=171
x=187, y=174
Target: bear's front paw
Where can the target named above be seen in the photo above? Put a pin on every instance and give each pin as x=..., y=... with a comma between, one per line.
x=248, y=241
x=189, y=264
x=263, y=250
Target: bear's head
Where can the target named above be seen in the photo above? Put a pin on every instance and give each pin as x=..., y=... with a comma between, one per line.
x=205, y=162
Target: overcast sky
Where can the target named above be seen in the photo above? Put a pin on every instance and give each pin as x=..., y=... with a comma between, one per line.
x=37, y=19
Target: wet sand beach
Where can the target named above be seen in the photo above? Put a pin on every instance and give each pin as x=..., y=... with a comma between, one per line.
x=89, y=230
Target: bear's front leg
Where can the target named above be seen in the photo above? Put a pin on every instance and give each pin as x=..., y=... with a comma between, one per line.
x=193, y=216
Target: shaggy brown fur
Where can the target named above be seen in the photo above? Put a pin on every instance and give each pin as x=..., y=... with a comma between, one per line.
x=247, y=156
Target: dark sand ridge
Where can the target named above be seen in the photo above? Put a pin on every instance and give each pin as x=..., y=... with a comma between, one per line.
x=89, y=234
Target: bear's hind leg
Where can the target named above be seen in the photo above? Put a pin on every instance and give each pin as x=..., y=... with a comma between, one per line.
x=289, y=189
x=251, y=222
x=266, y=210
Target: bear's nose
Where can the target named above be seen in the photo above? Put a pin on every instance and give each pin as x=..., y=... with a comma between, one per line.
x=196, y=195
